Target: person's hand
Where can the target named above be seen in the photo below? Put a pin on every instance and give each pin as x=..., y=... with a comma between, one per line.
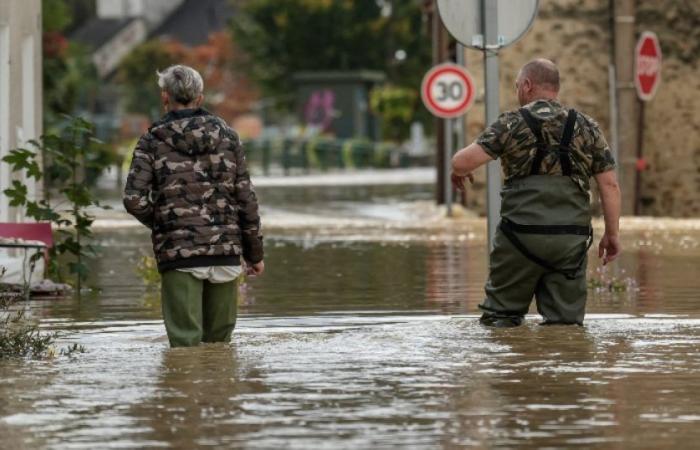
x=458, y=180
x=256, y=269
x=609, y=248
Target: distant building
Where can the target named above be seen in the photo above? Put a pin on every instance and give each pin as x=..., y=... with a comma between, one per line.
x=20, y=90
x=121, y=25
x=337, y=103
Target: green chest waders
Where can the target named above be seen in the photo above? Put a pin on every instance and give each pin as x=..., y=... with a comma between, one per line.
x=542, y=241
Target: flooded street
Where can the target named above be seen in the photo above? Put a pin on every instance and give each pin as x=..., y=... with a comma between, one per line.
x=363, y=333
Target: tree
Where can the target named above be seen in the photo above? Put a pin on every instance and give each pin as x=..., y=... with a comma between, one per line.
x=281, y=37
x=56, y=15
x=69, y=75
x=397, y=108
x=226, y=92
x=137, y=72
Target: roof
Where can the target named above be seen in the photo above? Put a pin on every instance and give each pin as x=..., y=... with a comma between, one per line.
x=193, y=22
x=96, y=32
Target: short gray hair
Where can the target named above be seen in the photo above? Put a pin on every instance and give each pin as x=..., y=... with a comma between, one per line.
x=182, y=83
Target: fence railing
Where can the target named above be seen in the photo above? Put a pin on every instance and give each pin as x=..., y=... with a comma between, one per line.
x=320, y=154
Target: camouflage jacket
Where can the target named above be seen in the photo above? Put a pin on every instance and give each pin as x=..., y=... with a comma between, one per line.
x=510, y=139
x=189, y=184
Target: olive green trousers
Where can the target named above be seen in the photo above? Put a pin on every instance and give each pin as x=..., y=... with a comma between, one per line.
x=514, y=280
x=196, y=310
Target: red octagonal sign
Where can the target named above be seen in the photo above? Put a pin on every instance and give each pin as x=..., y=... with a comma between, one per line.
x=647, y=73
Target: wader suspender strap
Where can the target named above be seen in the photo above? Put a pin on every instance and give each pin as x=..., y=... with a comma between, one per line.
x=562, y=149
x=509, y=227
x=565, y=144
x=540, y=144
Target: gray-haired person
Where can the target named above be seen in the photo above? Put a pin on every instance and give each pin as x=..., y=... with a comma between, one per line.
x=189, y=184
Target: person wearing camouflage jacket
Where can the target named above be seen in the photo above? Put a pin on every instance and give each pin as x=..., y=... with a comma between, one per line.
x=189, y=184
x=548, y=153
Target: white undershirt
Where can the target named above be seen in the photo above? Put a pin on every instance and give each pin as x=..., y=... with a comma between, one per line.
x=214, y=274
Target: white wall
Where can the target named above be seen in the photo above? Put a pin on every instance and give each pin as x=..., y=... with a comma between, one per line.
x=27, y=130
x=107, y=57
x=153, y=11
x=109, y=9
x=20, y=90
x=4, y=117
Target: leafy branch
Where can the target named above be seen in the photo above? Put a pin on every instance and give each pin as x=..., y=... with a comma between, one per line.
x=66, y=155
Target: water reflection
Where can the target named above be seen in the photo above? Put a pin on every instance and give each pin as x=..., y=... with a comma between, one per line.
x=372, y=380
x=196, y=400
x=368, y=337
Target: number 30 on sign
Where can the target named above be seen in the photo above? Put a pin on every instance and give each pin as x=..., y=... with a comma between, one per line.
x=447, y=90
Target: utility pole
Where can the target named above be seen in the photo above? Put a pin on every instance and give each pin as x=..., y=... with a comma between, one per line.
x=440, y=39
x=461, y=123
x=627, y=115
x=489, y=10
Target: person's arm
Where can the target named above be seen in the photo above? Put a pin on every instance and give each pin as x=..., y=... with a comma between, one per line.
x=488, y=146
x=610, y=198
x=465, y=161
x=248, y=217
x=139, y=184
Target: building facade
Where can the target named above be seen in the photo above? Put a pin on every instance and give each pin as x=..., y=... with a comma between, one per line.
x=20, y=90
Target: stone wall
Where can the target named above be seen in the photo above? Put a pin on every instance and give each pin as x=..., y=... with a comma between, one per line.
x=577, y=35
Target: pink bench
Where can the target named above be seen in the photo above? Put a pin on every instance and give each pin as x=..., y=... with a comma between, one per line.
x=25, y=236
x=28, y=231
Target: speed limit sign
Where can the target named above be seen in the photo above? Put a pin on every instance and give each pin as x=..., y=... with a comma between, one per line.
x=447, y=90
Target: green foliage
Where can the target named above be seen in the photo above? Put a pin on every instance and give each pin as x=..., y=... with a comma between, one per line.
x=609, y=285
x=20, y=336
x=147, y=270
x=56, y=15
x=137, y=72
x=604, y=280
x=67, y=154
x=323, y=153
x=72, y=350
x=396, y=106
x=281, y=37
x=70, y=78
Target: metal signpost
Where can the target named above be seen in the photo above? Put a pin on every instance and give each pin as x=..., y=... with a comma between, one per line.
x=448, y=92
x=489, y=25
x=647, y=77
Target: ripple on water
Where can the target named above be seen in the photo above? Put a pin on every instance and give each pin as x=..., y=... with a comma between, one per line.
x=367, y=344
x=364, y=381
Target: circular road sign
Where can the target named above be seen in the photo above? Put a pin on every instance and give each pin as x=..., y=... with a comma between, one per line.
x=447, y=90
x=647, y=68
x=464, y=19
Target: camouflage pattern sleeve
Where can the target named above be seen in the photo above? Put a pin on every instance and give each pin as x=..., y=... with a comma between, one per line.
x=139, y=183
x=602, y=158
x=248, y=217
x=495, y=139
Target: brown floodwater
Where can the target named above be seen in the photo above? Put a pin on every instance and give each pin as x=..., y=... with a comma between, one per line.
x=363, y=333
